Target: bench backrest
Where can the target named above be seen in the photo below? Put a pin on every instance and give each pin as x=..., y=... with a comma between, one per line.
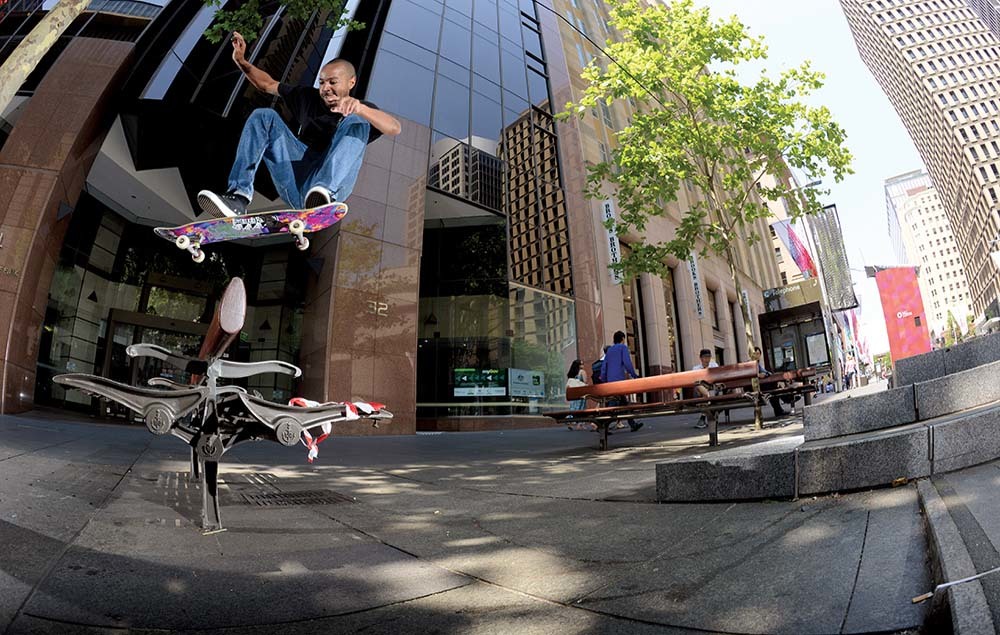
x=669, y=381
x=230, y=314
x=788, y=375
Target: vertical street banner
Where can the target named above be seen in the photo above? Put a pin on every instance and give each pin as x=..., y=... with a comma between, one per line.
x=836, y=272
x=800, y=254
x=699, y=304
x=614, y=250
x=903, y=308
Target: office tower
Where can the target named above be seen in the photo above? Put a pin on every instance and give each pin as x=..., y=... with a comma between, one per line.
x=939, y=65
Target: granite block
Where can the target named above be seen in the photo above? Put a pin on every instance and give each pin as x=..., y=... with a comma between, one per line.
x=967, y=439
x=970, y=612
x=854, y=415
x=762, y=470
x=870, y=460
x=975, y=352
x=920, y=368
x=958, y=391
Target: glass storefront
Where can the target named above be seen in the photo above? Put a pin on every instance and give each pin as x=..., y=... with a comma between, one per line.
x=117, y=284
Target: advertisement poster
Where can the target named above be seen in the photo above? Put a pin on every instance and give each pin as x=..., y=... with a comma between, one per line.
x=903, y=308
x=526, y=383
x=480, y=382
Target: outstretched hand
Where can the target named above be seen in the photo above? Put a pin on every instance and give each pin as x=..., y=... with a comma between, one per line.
x=347, y=105
x=239, y=49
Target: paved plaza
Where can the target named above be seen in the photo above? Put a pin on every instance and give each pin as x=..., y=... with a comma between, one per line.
x=494, y=532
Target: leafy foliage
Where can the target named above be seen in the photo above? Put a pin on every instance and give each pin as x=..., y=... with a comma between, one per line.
x=248, y=18
x=696, y=122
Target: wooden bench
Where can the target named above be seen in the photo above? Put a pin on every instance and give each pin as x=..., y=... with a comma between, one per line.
x=770, y=386
x=722, y=378
x=213, y=418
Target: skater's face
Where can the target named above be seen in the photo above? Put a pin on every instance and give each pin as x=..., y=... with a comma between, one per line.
x=335, y=83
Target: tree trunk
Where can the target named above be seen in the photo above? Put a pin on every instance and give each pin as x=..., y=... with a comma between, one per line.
x=30, y=51
x=747, y=329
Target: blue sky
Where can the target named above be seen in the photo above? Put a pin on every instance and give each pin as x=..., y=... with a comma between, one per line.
x=797, y=30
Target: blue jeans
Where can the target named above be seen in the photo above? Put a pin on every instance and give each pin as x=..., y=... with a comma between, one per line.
x=294, y=167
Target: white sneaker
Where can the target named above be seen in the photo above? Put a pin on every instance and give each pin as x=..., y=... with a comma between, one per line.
x=702, y=422
x=317, y=197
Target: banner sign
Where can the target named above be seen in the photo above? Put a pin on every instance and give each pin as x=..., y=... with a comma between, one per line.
x=829, y=241
x=904, y=312
x=696, y=281
x=795, y=246
x=614, y=250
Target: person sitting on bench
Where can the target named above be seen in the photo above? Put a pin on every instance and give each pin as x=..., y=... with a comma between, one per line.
x=764, y=372
x=705, y=362
x=617, y=366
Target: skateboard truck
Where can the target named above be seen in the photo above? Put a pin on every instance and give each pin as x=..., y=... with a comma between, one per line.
x=297, y=228
x=185, y=242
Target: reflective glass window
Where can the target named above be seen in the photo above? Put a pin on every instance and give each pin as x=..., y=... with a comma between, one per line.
x=418, y=24
x=451, y=108
x=487, y=88
x=462, y=6
x=513, y=74
x=486, y=58
x=486, y=117
x=456, y=43
x=402, y=86
x=510, y=21
x=486, y=13
x=408, y=51
x=532, y=42
x=538, y=88
x=453, y=71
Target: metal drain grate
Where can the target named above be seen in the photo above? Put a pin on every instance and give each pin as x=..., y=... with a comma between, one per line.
x=304, y=497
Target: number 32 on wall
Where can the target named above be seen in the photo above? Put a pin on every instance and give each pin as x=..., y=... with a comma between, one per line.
x=378, y=308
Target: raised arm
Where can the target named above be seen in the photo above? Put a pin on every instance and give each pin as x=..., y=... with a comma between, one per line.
x=260, y=79
x=383, y=121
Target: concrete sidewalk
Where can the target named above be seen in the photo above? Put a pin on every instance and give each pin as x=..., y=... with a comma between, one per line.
x=500, y=532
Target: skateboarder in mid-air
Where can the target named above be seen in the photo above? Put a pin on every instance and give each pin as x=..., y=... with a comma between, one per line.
x=317, y=164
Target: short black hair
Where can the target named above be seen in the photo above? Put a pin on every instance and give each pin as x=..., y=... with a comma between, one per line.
x=344, y=64
x=619, y=337
x=756, y=349
x=704, y=352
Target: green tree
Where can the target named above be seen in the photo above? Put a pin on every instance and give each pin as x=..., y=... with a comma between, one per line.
x=697, y=122
x=248, y=18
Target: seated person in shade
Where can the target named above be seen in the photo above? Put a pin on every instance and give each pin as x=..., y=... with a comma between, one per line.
x=705, y=362
x=617, y=366
x=764, y=372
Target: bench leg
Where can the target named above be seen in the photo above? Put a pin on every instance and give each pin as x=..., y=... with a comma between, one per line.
x=603, y=442
x=807, y=398
x=211, y=520
x=758, y=416
x=195, y=474
x=713, y=427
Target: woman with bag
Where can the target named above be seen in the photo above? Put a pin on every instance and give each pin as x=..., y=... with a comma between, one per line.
x=575, y=378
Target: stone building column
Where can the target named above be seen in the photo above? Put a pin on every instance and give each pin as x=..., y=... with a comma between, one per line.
x=360, y=326
x=43, y=167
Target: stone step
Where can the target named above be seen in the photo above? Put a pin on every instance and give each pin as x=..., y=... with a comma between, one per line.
x=854, y=415
x=945, y=361
x=896, y=407
x=868, y=459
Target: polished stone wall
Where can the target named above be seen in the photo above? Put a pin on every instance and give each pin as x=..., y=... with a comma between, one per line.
x=43, y=167
x=360, y=326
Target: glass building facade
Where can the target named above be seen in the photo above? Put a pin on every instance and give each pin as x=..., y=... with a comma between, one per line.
x=467, y=206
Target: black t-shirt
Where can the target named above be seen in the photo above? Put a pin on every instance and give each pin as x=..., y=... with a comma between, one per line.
x=316, y=124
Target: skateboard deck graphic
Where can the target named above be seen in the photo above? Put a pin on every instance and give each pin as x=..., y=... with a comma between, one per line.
x=193, y=236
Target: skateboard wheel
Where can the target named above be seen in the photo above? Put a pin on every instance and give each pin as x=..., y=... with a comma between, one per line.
x=182, y=242
x=296, y=227
x=302, y=244
x=198, y=256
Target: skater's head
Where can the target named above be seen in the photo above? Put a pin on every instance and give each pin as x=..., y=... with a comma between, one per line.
x=336, y=79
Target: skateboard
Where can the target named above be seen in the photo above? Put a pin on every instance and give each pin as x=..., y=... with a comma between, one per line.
x=192, y=236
